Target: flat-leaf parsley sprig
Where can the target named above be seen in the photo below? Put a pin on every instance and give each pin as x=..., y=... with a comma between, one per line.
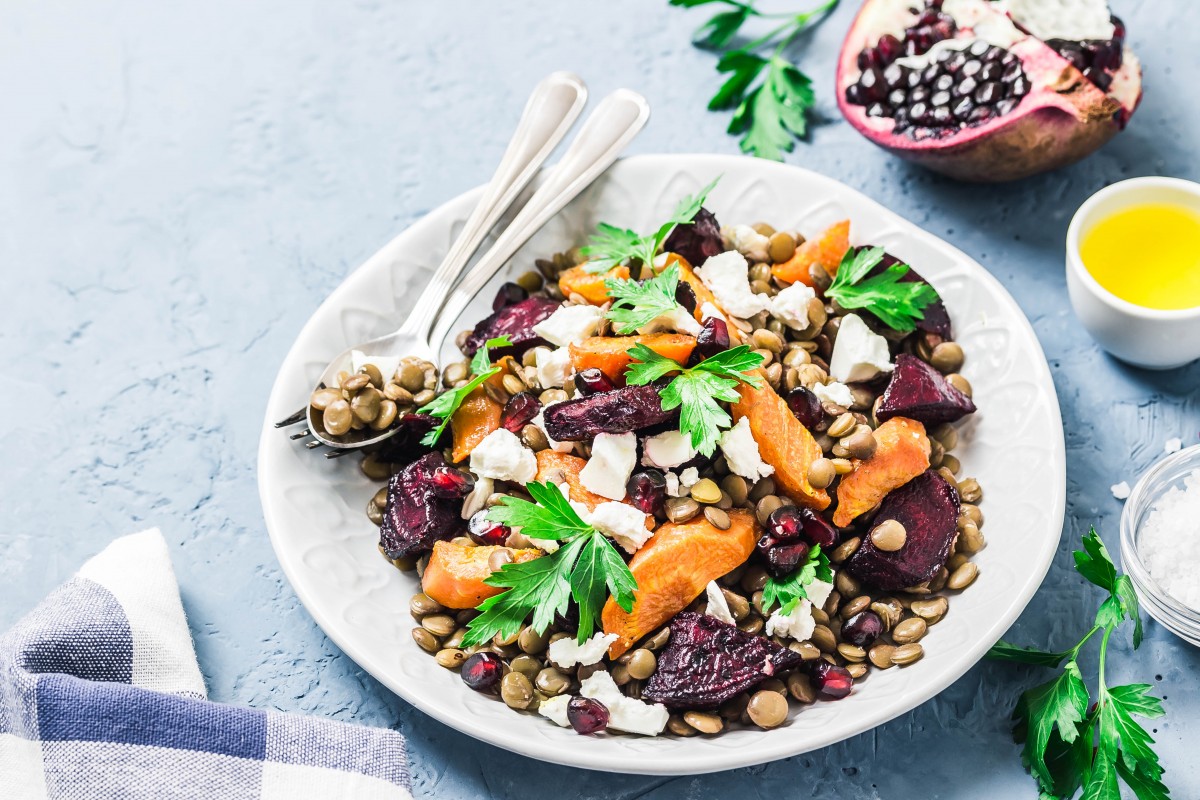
x=898, y=304
x=638, y=303
x=768, y=115
x=586, y=568
x=613, y=246
x=695, y=391
x=444, y=405
x=788, y=591
x=1069, y=743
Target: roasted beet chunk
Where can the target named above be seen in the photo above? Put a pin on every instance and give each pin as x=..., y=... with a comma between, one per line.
x=927, y=507
x=404, y=446
x=918, y=391
x=627, y=409
x=516, y=322
x=708, y=661
x=423, y=504
x=936, y=319
x=698, y=241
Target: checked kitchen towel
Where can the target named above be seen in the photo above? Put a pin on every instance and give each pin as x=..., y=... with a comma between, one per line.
x=101, y=697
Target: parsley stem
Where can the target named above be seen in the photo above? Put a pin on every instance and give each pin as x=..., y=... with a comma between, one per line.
x=1108, y=629
x=1075, y=650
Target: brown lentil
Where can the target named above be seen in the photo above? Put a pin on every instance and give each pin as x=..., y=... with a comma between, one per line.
x=821, y=473
x=526, y=665
x=842, y=425
x=889, y=536
x=736, y=487
x=767, y=709
x=422, y=604
x=450, y=658
x=530, y=641
x=963, y=577
x=764, y=487
x=439, y=624
x=717, y=518
x=907, y=654
x=960, y=383
x=642, y=664
x=947, y=357
x=846, y=584
x=659, y=640
x=851, y=652
x=881, y=655
x=516, y=691
x=552, y=682
x=677, y=726
x=910, y=630
x=766, y=507
x=861, y=444
x=681, y=509
x=970, y=491
x=824, y=639
x=889, y=611
x=855, y=606
x=857, y=669
x=426, y=640
x=706, y=490
x=845, y=550
x=704, y=722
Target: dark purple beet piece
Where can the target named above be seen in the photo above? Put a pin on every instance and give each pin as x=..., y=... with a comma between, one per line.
x=707, y=661
x=516, y=322
x=697, y=241
x=418, y=511
x=918, y=391
x=927, y=507
x=630, y=408
x=404, y=446
x=509, y=294
x=685, y=295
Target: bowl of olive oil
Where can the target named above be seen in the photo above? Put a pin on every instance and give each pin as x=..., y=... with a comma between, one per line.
x=1133, y=270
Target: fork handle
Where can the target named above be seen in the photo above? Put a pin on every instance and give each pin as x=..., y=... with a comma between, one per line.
x=551, y=110
x=614, y=123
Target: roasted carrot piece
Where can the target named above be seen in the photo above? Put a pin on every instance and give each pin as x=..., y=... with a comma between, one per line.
x=826, y=250
x=455, y=573
x=476, y=417
x=783, y=442
x=672, y=570
x=610, y=354
x=901, y=454
x=590, y=286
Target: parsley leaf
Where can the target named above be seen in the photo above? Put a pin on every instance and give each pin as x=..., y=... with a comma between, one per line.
x=788, y=591
x=612, y=245
x=898, y=304
x=444, y=405
x=1066, y=746
x=696, y=390
x=636, y=304
x=587, y=568
x=771, y=96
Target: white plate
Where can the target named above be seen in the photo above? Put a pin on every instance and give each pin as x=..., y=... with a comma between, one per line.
x=314, y=507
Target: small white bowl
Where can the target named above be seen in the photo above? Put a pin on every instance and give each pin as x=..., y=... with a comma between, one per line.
x=1146, y=337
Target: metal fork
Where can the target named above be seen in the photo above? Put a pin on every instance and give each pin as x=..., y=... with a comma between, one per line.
x=610, y=128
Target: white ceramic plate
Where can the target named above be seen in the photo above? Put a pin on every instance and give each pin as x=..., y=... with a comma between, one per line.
x=314, y=507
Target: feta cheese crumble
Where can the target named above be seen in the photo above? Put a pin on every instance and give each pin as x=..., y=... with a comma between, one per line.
x=689, y=477
x=708, y=310
x=567, y=652
x=858, y=353
x=622, y=523
x=1120, y=490
x=718, y=606
x=624, y=713
x=555, y=709
x=553, y=366
x=502, y=456
x=570, y=325
x=540, y=422
x=835, y=392
x=726, y=276
x=678, y=320
x=799, y=624
x=673, y=488
x=748, y=242
x=741, y=452
x=668, y=449
x=1169, y=543
x=614, y=455
x=791, y=305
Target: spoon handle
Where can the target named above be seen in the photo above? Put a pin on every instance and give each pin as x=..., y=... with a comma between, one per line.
x=609, y=129
x=551, y=110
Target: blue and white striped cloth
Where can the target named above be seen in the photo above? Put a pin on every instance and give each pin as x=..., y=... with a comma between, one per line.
x=101, y=697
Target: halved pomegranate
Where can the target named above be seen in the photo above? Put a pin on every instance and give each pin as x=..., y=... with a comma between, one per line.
x=988, y=90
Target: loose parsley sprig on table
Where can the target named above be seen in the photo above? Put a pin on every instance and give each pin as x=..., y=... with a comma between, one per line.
x=1067, y=744
x=586, y=568
x=788, y=591
x=613, y=245
x=898, y=304
x=638, y=303
x=444, y=405
x=696, y=390
x=774, y=112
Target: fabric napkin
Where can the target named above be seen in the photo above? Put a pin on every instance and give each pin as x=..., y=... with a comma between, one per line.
x=101, y=697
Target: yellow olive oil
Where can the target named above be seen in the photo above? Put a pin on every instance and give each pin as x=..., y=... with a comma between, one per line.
x=1148, y=255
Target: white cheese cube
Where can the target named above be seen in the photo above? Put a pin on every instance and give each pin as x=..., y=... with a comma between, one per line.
x=726, y=276
x=790, y=306
x=836, y=393
x=553, y=366
x=614, y=455
x=555, y=709
x=678, y=320
x=622, y=523
x=707, y=310
x=567, y=652
x=569, y=325
x=798, y=625
x=673, y=489
x=689, y=477
x=747, y=241
x=741, y=452
x=858, y=353
x=718, y=606
x=624, y=713
x=667, y=449
x=502, y=456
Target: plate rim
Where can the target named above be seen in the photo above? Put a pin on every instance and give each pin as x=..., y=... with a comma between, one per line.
x=705, y=759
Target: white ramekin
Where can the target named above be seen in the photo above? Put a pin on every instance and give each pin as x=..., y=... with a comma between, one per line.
x=1145, y=337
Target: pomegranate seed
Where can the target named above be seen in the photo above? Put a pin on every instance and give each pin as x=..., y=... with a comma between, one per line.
x=862, y=629
x=647, y=491
x=450, y=483
x=782, y=559
x=482, y=672
x=784, y=524
x=805, y=406
x=592, y=380
x=817, y=530
x=485, y=532
x=587, y=715
x=509, y=295
x=714, y=338
x=519, y=411
x=832, y=681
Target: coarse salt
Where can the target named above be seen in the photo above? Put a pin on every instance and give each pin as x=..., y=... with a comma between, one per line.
x=1170, y=544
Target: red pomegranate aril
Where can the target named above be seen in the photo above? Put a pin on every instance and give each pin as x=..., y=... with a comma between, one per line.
x=805, y=406
x=647, y=491
x=451, y=483
x=485, y=532
x=519, y=411
x=862, y=629
x=889, y=48
x=509, y=295
x=592, y=380
x=830, y=680
x=817, y=530
x=482, y=672
x=587, y=715
x=783, y=559
x=785, y=524
x=713, y=337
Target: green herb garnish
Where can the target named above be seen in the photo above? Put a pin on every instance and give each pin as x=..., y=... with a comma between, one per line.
x=613, y=245
x=1069, y=743
x=770, y=114
x=898, y=304
x=696, y=390
x=787, y=592
x=444, y=405
x=586, y=568
x=638, y=303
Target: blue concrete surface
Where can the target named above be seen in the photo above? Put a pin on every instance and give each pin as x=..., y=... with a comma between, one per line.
x=181, y=184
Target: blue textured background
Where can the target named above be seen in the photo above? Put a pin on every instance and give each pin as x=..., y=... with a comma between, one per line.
x=181, y=184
